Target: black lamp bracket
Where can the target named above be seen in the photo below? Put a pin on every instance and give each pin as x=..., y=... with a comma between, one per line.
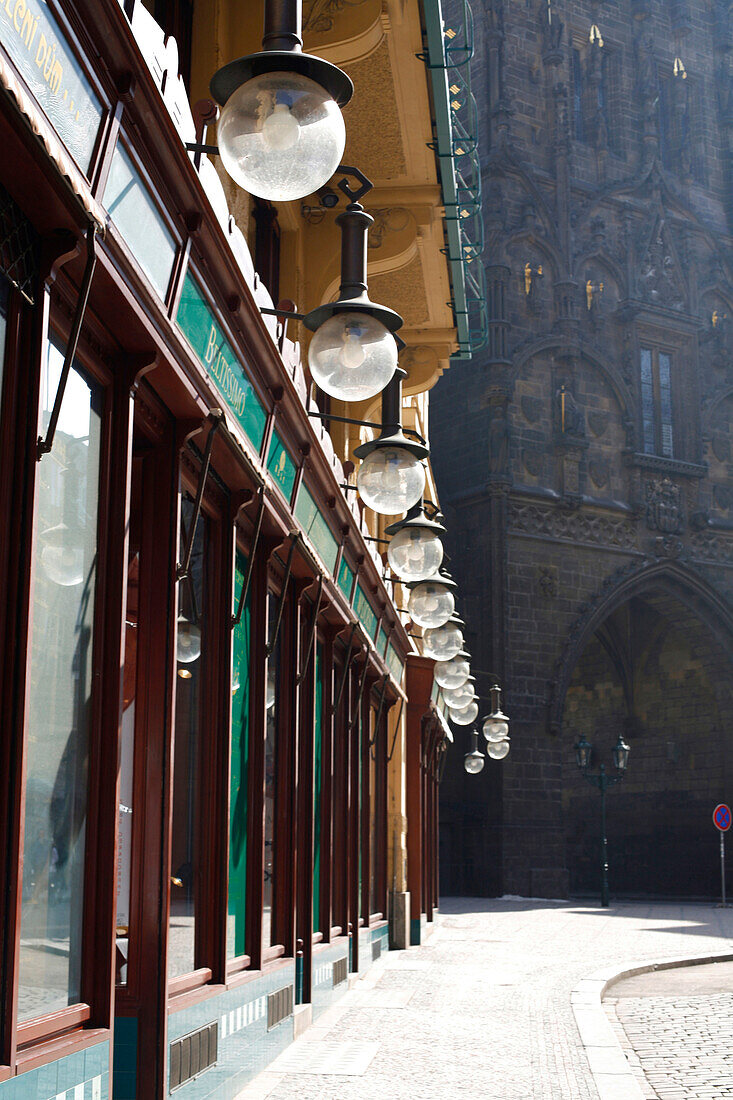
x=362, y=423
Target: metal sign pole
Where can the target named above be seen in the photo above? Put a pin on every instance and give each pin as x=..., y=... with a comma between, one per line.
x=722, y=865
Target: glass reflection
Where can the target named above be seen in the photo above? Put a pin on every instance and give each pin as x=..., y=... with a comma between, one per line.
x=60, y=689
x=186, y=819
x=273, y=684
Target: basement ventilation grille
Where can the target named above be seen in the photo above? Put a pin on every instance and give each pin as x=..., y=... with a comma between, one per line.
x=376, y=949
x=279, y=1005
x=192, y=1054
x=340, y=971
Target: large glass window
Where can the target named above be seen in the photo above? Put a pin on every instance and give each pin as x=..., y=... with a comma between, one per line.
x=273, y=694
x=60, y=695
x=238, y=770
x=187, y=763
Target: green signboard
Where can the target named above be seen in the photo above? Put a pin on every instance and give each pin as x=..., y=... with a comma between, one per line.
x=364, y=610
x=196, y=320
x=382, y=643
x=315, y=527
x=394, y=664
x=346, y=579
x=281, y=466
x=35, y=43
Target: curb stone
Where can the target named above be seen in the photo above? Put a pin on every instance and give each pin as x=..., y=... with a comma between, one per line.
x=612, y=1074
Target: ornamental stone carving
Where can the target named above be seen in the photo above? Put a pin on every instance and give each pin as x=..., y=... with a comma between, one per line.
x=572, y=526
x=664, y=507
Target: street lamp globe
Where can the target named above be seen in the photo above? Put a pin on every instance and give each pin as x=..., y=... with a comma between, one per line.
x=390, y=480
x=474, y=761
x=466, y=715
x=583, y=750
x=443, y=642
x=431, y=602
x=352, y=356
x=496, y=726
x=459, y=697
x=415, y=554
x=281, y=136
x=497, y=750
x=620, y=754
x=188, y=641
x=451, y=674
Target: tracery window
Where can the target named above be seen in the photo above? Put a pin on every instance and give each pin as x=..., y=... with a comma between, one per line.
x=656, y=401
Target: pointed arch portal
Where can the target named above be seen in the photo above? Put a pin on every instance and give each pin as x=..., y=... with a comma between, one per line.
x=654, y=662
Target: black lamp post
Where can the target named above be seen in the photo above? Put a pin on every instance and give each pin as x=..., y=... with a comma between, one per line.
x=620, y=754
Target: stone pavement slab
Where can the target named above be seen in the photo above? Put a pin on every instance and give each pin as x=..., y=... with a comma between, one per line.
x=483, y=1010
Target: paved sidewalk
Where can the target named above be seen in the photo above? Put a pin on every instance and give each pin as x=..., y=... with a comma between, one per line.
x=676, y=1026
x=483, y=1009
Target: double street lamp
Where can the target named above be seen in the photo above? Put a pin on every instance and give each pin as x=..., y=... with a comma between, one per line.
x=620, y=754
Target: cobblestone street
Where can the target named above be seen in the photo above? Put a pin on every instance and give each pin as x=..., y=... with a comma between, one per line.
x=483, y=1009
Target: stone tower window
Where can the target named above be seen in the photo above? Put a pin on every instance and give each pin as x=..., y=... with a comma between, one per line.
x=656, y=402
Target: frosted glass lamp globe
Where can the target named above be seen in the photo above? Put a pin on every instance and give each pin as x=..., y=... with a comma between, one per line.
x=352, y=356
x=431, y=603
x=188, y=641
x=453, y=673
x=390, y=480
x=496, y=728
x=442, y=642
x=465, y=716
x=281, y=136
x=415, y=553
x=461, y=696
x=497, y=750
x=474, y=762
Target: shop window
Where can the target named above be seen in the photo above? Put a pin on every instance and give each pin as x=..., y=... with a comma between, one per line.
x=239, y=770
x=127, y=734
x=60, y=696
x=656, y=402
x=187, y=825
x=317, y=789
x=271, y=775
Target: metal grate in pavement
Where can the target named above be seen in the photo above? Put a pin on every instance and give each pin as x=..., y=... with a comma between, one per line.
x=349, y=1058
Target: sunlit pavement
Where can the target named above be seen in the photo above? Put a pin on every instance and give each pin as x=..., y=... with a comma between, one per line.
x=484, y=1008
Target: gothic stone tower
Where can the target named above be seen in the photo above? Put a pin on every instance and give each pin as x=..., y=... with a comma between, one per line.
x=585, y=457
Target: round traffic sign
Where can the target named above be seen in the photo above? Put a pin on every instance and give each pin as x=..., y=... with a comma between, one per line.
x=722, y=817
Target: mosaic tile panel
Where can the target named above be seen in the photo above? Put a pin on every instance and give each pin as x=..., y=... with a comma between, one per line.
x=246, y=1047
x=80, y=1076
x=323, y=991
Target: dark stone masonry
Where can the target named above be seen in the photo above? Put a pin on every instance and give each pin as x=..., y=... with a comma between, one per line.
x=584, y=458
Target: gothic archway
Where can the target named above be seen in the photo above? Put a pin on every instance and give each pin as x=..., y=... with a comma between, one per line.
x=653, y=669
